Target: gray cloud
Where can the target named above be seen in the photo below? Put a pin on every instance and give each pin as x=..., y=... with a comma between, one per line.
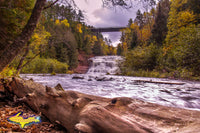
x=114, y=36
x=98, y=16
x=108, y=17
x=111, y=18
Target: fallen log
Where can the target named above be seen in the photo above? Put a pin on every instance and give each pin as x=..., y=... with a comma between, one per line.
x=83, y=113
x=159, y=82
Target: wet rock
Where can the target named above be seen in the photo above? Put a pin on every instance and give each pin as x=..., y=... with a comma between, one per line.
x=185, y=93
x=124, y=80
x=192, y=89
x=166, y=91
x=104, y=79
x=31, y=79
x=59, y=87
x=188, y=98
x=77, y=77
x=162, y=99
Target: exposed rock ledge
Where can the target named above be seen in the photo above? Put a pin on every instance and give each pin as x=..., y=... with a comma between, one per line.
x=79, y=112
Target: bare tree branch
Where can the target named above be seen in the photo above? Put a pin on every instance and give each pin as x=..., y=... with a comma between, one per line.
x=127, y=4
x=30, y=60
x=50, y=5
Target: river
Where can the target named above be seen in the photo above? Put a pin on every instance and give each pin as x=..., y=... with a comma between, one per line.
x=174, y=93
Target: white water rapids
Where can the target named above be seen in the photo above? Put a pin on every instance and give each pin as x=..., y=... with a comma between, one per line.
x=104, y=65
x=182, y=94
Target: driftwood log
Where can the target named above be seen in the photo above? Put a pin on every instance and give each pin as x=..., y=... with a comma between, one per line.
x=83, y=113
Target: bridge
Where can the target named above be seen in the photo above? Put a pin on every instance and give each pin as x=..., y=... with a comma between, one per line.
x=107, y=29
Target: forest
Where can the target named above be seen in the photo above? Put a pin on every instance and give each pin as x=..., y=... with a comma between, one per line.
x=59, y=37
x=163, y=41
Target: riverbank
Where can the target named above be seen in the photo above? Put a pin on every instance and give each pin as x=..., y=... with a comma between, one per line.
x=85, y=113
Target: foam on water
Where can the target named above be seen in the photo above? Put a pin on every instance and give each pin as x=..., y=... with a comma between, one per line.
x=104, y=65
x=96, y=82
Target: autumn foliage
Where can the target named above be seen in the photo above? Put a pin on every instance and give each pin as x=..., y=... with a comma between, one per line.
x=164, y=40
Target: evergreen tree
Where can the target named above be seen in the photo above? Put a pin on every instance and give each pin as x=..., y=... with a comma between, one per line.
x=80, y=16
x=97, y=49
x=130, y=21
x=159, y=30
x=139, y=19
x=119, y=49
x=194, y=6
x=134, y=41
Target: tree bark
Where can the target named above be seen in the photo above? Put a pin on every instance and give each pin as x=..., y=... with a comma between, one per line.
x=19, y=67
x=83, y=113
x=13, y=50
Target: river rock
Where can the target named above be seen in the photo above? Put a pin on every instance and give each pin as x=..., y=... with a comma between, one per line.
x=89, y=79
x=104, y=79
x=77, y=77
x=59, y=87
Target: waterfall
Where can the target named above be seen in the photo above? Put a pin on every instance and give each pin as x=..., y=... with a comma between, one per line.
x=104, y=65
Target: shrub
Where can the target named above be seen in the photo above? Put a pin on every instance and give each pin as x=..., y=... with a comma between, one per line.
x=185, y=54
x=40, y=65
x=7, y=72
x=142, y=58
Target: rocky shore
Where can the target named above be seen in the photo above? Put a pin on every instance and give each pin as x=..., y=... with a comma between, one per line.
x=78, y=112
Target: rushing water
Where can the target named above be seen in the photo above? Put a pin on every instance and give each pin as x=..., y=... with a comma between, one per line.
x=176, y=93
x=104, y=65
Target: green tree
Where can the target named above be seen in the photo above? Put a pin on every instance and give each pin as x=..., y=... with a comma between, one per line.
x=182, y=41
x=119, y=49
x=62, y=44
x=97, y=49
x=159, y=30
x=179, y=17
x=139, y=19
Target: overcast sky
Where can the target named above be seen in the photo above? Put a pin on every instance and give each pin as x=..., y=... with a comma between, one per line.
x=97, y=16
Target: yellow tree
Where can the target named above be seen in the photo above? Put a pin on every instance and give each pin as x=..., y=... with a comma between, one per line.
x=89, y=41
x=179, y=17
x=34, y=47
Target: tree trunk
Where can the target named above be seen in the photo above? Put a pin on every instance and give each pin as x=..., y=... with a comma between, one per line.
x=19, y=67
x=13, y=50
x=79, y=112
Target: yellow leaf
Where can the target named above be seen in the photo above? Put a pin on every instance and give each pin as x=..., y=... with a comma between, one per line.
x=65, y=22
x=79, y=28
x=57, y=22
x=94, y=38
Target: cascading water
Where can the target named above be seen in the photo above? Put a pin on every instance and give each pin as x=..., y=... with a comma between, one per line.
x=176, y=93
x=104, y=65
